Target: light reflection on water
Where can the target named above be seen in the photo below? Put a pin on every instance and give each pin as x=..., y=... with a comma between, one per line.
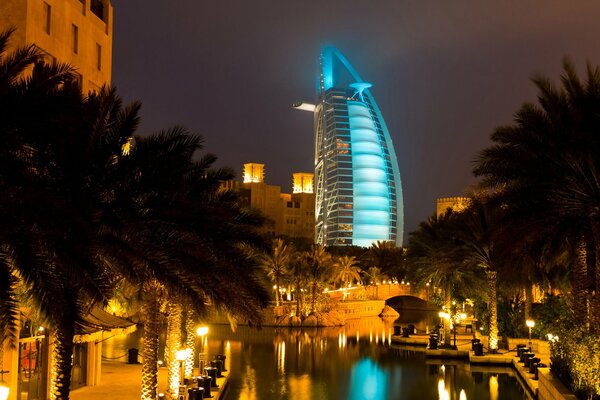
x=351, y=362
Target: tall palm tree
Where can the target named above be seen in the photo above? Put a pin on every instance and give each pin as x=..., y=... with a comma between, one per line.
x=275, y=263
x=319, y=267
x=479, y=230
x=297, y=271
x=48, y=241
x=546, y=165
x=431, y=259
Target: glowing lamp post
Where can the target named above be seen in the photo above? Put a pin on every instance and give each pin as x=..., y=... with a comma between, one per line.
x=201, y=332
x=530, y=324
x=445, y=316
x=4, y=388
x=181, y=356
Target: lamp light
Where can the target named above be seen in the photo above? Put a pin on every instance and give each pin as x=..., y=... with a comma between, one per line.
x=202, y=330
x=4, y=387
x=530, y=324
x=181, y=355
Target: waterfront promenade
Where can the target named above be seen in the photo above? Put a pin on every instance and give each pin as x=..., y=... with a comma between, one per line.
x=121, y=381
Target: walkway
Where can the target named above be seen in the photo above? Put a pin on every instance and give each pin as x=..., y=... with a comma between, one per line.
x=121, y=381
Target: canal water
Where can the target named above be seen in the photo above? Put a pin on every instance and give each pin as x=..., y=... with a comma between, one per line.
x=353, y=362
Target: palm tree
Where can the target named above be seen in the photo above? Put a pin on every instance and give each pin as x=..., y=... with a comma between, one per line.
x=346, y=270
x=203, y=231
x=48, y=239
x=547, y=164
x=173, y=345
x=431, y=259
x=318, y=268
x=276, y=263
x=297, y=271
x=388, y=257
x=479, y=230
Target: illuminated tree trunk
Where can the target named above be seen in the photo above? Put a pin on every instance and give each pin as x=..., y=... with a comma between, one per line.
x=446, y=321
x=190, y=343
x=493, y=309
x=151, y=313
x=580, y=284
x=528, y=298
x=595, y=323
x=277, y=293
x=173, y=344
x=298, y=299
x=314, y=296
x=61, y=363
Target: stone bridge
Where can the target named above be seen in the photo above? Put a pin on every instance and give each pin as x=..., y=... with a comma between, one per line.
x=389, y=291
x=393, y=293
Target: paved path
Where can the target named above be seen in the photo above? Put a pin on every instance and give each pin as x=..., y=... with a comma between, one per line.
x=121, y=381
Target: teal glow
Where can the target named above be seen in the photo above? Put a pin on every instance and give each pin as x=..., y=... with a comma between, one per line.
x=368, y=381
x=371, y=219
x=327, y=68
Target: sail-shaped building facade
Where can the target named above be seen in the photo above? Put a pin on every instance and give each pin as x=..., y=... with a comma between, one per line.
x=358, y=188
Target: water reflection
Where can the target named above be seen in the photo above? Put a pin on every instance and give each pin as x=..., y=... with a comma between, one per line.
x=368, y=381
x=352, y=362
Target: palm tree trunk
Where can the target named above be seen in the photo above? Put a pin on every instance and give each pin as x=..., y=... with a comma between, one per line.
x=190, y=343
x=61, y=363
x=595, y=323
x=493, y=308
x=580, y=283
x=314, y=297
x=151, y=313
x=277, y=292
x=298, y=299
x=528, y=298
x=172, y=346
x=446, y=321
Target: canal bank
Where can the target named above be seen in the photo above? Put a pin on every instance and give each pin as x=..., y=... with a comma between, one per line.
x=546, y=387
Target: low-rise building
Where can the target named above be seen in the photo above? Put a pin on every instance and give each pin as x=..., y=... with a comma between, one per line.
x=288, y=214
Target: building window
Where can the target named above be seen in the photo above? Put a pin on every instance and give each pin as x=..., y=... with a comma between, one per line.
x=47, y=17
x=99, y=57
x=75, y=35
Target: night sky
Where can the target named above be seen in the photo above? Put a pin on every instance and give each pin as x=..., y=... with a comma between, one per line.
x=445, y=73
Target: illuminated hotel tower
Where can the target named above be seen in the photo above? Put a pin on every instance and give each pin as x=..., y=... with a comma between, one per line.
x=358, y=189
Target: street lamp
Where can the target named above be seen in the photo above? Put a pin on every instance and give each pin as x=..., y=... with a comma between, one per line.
x=181, y=356
x=445, y=316
x=530, y=324
x=201, y=331
x=4, y=387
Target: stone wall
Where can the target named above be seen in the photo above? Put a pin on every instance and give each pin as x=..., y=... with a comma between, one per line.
x=551, y=388
x=360, y=309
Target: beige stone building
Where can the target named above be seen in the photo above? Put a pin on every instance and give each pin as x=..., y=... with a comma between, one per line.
x=456, y=204
x=77, y=32
x=289, y=214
